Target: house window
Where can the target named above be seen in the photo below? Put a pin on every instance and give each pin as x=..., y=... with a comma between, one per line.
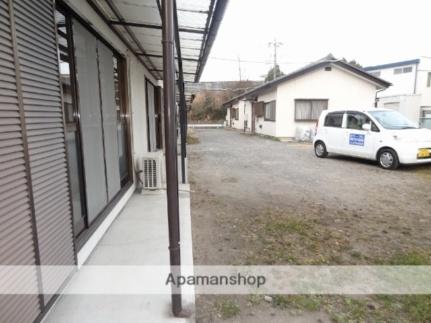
x=334, y=120
x=398, y=71
x=270, y=111
x=309, y=110
x=376, y=73
x=234, y=113
x=402, y=70
x=429, y=80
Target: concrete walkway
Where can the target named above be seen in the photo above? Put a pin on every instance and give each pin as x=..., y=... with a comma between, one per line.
x=139, y=236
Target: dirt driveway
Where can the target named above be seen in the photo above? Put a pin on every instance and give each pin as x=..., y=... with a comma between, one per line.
x=260, y=201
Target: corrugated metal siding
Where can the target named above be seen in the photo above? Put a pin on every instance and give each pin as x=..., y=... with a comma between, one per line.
x=36, y=37
x=16, y=226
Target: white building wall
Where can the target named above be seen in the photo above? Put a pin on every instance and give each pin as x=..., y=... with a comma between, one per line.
x=405, y=104
x=343, y=89
x=137, y=95
x=410, y=92
x=244, y=113
x=422, y=81
x=247, y=110
x=401, y=83
x=267, y=127
x=227, y=121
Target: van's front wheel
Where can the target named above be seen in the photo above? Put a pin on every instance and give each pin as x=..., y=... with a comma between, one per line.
x=388, y=159
x=320, y=149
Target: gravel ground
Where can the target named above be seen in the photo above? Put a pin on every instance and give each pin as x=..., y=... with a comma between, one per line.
x=339, y=210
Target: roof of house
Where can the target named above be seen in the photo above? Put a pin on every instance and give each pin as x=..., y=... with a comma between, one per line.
x=327, y=60
x=392, y=65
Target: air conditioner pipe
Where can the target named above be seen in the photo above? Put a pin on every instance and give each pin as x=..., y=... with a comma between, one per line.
x=171, y=149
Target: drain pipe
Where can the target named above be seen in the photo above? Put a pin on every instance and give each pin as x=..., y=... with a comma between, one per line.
x=376, y=99
x=171, y=149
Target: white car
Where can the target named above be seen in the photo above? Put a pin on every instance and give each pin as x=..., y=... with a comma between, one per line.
x=377, y=134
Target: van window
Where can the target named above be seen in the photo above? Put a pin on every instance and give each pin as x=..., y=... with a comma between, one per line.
x=355, y=120
x=334, y=120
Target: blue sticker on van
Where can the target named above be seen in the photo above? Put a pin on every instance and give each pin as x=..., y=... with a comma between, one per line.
x=357, y=140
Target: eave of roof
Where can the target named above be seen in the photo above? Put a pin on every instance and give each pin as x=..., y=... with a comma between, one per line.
x=306, y=69
x=138, y=24
x=392, y=65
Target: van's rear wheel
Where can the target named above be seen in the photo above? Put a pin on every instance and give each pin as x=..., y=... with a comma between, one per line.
x=388, y=159
x=320, y=150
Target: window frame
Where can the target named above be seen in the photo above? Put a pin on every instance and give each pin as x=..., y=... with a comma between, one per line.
x=234, y=113
x=309, y=100
x=374, y=126
x=333, y=113
x=125, y=113
x=272, y=104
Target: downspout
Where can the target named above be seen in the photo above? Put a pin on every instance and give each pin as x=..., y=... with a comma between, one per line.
x=376, y=99
x=416, y=79
x=171, y=149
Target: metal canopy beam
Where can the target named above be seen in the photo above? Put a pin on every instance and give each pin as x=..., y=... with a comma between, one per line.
x=152, y=26
x=103, y=17
x=161, y=56
x=129, y=31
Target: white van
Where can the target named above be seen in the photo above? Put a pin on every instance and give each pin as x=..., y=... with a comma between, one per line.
x=377, y=134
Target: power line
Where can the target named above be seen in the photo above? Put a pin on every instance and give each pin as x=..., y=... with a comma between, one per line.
x=254, y=61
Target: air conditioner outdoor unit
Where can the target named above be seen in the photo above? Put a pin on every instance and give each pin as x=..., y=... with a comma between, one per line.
x=151, y=171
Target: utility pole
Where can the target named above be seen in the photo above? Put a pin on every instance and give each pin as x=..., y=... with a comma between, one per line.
x=239, y=67
x=275, y=44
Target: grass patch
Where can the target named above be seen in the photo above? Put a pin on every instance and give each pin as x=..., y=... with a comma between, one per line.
x=192, y=138
x=254, y=299
x=287, y=225
x=297, y=302
x=382, y=308
x=279, y=237
x=418, y=307
x=411, y=258
x=227, y=308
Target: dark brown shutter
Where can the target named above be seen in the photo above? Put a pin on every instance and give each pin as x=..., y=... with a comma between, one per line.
x=37, y=51
x=16, y=226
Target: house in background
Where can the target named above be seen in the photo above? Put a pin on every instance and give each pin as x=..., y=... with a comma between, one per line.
x=290, y=106
x=411, y=90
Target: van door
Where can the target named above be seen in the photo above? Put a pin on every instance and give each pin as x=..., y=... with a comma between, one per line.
x=334, y=132
x=359, y=142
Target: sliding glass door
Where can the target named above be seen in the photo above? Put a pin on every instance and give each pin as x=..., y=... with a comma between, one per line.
x=73, y=146
x=94, y=98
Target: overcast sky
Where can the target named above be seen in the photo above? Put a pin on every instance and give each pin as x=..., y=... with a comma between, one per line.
x=370, y=31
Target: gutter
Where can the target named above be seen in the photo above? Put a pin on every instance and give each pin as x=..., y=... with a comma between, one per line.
x=217, y=17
